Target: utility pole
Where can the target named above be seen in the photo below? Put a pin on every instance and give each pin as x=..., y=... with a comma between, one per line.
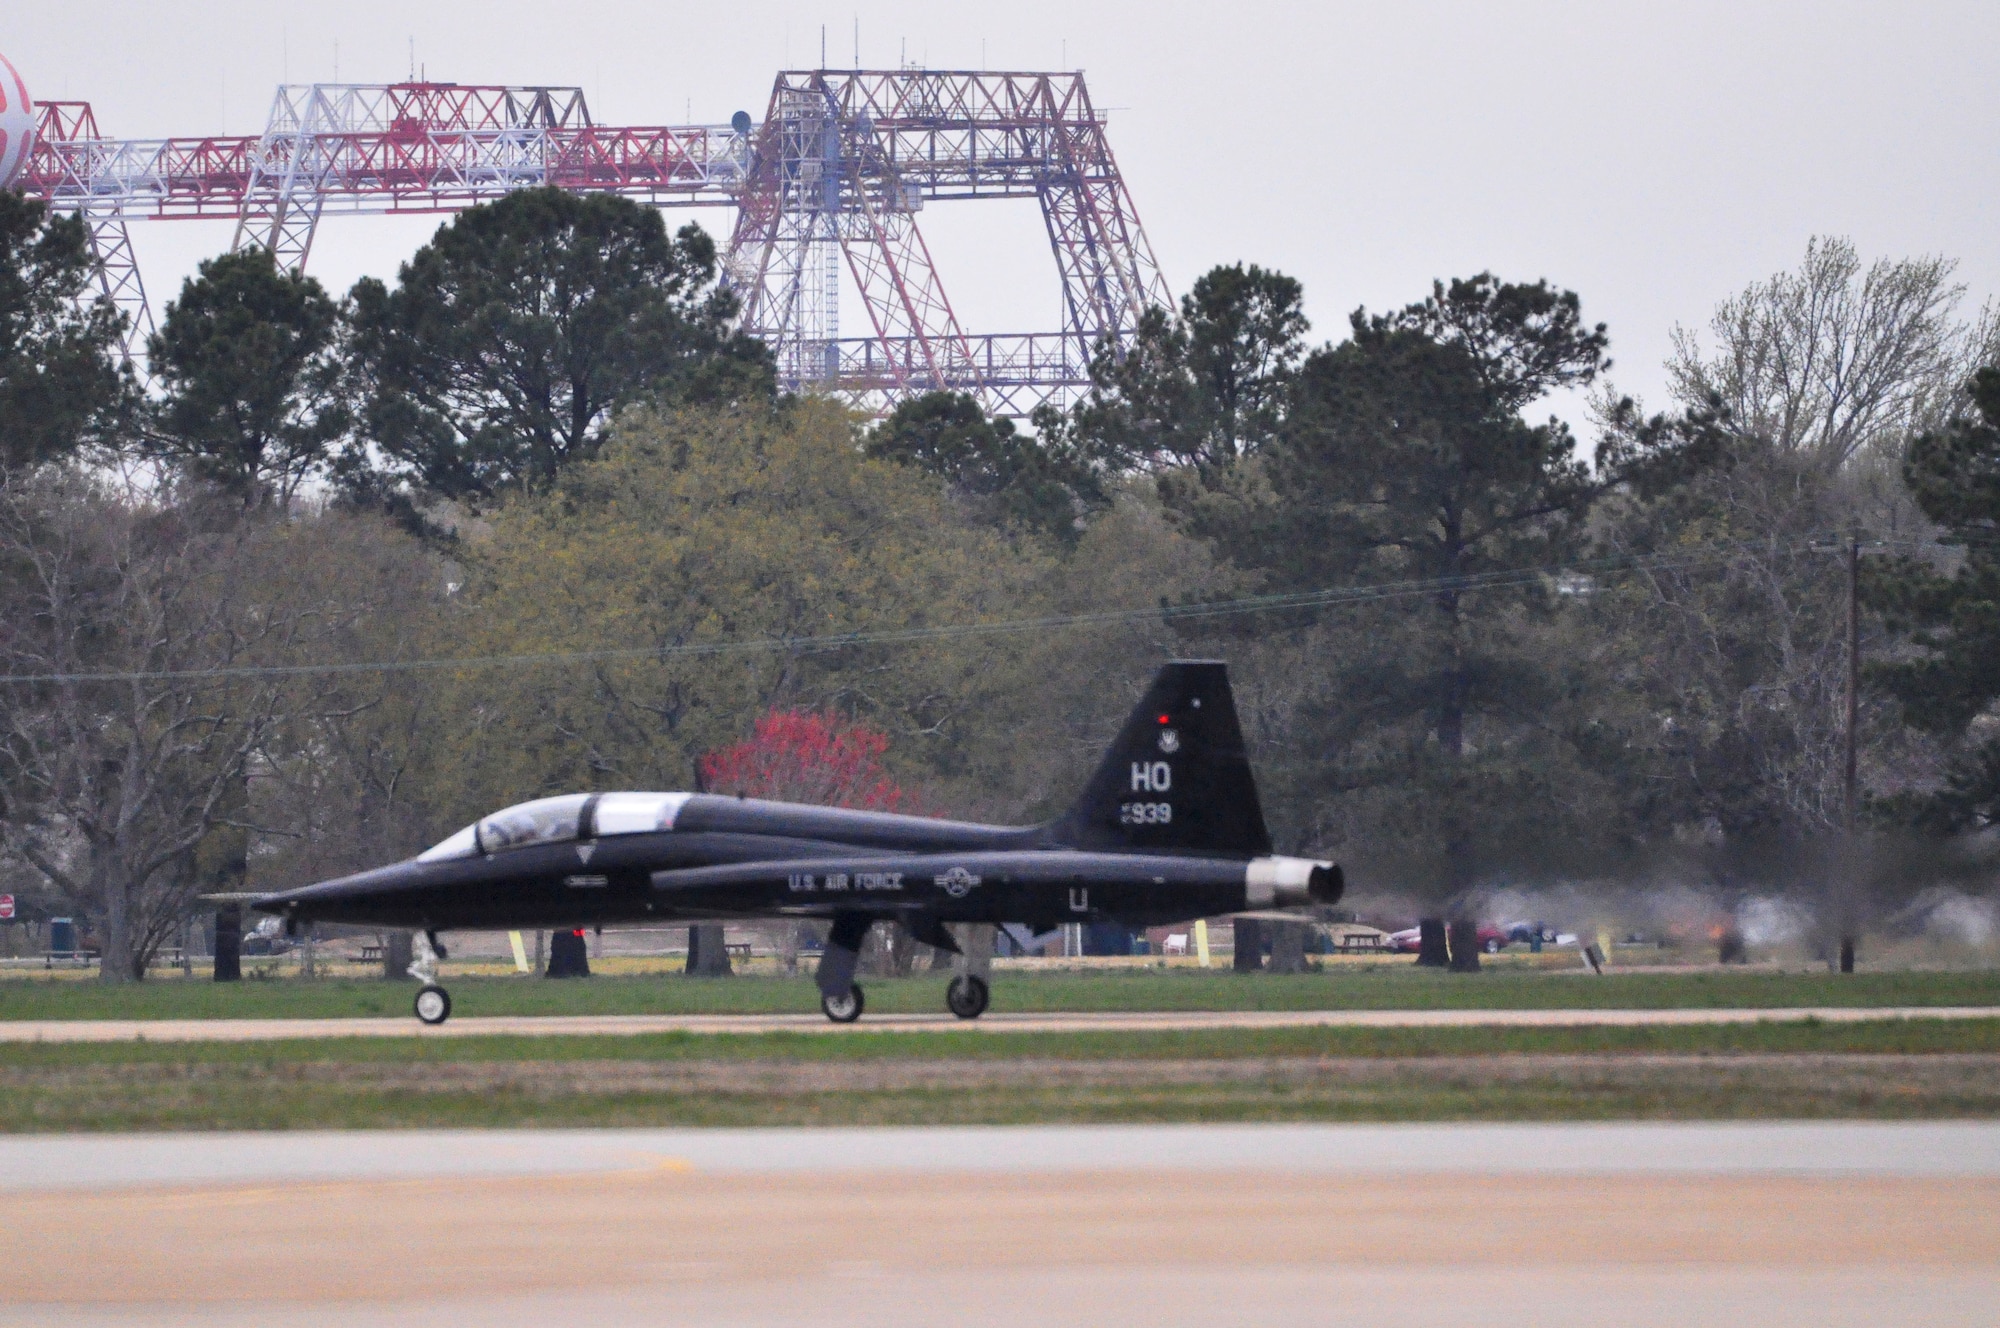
x=1849, y=772
x=1853, y=681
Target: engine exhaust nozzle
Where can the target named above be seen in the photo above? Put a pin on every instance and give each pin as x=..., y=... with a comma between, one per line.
x=1292, y=883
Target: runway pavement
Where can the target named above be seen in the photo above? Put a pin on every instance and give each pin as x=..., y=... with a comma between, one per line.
x=271, y=1030
x=1628, y=1224
x=1950, y=1149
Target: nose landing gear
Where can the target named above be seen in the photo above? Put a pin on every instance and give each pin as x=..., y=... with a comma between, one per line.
x=433, y=1003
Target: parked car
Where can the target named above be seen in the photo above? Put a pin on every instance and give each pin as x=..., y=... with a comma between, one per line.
x=1410, y=940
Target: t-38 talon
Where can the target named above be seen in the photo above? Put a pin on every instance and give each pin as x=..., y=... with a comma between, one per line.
x=1169, y=828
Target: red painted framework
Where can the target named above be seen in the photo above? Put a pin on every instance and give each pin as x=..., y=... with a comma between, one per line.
x=887, y=141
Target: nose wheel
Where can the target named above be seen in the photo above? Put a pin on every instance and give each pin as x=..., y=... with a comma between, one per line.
x=433, y=1005
x=967, y=996
x=844, y=1008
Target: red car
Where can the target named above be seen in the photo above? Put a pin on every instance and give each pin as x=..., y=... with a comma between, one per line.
x=1409, y=941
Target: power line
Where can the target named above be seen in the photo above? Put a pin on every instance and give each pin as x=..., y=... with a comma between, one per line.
x=1331, y=597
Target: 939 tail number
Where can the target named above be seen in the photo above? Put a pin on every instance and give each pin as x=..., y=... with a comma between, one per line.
x=1145, y=813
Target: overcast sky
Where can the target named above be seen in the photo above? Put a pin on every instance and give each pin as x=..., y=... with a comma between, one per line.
x=1652, y=157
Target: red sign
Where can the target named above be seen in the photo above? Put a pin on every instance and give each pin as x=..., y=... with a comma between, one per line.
x=6, y=906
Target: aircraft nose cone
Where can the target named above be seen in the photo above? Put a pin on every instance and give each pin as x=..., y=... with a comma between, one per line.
x=345, y=898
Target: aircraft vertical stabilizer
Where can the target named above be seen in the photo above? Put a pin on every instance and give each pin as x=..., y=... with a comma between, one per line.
x=1177, y=777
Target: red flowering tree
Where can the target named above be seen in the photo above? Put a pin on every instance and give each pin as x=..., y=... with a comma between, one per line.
x=825, y=760
x=798, y=757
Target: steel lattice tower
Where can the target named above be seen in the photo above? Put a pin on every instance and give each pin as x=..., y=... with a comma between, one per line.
x=834, y=179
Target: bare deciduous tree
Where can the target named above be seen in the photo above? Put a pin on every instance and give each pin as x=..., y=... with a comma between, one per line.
x=340, y=786
x=1727, y=657
x=139, y=652
x=1833, y=357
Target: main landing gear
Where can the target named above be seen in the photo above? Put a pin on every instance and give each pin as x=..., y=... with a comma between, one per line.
x=844, y=1009
x=967, y=996
x=433, y=1003
x=839, y=994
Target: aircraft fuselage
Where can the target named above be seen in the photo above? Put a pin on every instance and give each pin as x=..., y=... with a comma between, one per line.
x=734, y=857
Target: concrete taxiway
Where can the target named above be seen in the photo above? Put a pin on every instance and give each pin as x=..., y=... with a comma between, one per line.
x=273, y=1030
x=1641, y=1224
x=1822, y=1149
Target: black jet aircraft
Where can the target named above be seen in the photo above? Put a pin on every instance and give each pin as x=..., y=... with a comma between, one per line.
x=1168, y=829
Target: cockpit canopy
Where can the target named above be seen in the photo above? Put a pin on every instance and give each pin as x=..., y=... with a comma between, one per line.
x=558, y=820
x=543, y=821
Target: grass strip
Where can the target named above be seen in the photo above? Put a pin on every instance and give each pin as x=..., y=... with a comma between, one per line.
x=1362, y=988
x=1906, y=1037
x=1471, y=1088
x=1805, y=1069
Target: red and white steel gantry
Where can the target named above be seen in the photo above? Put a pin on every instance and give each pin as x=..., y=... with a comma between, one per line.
x=835, y=176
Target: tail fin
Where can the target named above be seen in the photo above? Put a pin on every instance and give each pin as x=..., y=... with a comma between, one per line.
x=1177, y=777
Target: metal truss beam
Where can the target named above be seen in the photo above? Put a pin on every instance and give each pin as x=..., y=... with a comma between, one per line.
x=923, y=344
x=117, y=268
x=785, y=239
x=119, y=282
x=1017, y=372
x=285, y=193
x=821, y=192
x=1108, y=271
x=892, y=267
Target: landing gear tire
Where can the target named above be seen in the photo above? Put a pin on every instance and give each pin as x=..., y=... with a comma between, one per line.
x=843, y=1009
x=967, y=996
x=433, y=1005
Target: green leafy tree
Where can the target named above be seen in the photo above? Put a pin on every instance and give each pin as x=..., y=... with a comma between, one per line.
x=61, y=384
x=692, y=533
x=1953, y=621
x=511, y=338
x=1199, y=389
x=247, y=366
x=1012, y=480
